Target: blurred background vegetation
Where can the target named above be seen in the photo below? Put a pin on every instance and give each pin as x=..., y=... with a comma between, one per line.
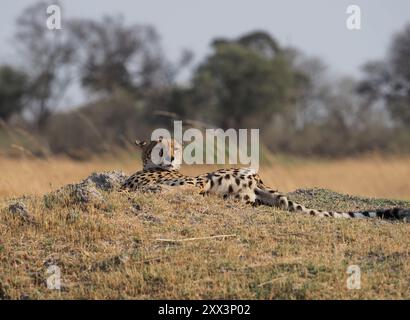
x=251, y=81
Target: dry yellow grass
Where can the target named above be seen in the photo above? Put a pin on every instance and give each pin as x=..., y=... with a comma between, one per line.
x=115, y=249
x=372, y=176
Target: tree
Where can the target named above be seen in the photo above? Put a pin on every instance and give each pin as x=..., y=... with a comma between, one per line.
x=13, y=85
x=399, y=99
x=400, y=54
x=389, y=81
x=312, y=88
x=113, y=55
x=243, y=82
x=47, y=55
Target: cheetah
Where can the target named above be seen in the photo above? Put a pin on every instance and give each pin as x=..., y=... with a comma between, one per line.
x=242, y=184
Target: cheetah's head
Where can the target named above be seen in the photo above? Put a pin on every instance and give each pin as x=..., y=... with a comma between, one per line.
x=162, y=153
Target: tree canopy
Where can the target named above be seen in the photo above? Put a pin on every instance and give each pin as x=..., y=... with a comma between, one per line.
x=243, y=82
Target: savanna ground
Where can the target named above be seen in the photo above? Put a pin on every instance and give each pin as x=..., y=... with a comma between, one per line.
x=178, y=244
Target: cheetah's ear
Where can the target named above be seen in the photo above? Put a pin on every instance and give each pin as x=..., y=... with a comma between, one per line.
x=140, y=144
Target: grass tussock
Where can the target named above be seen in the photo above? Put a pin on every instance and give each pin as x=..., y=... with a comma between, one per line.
x=180, y=245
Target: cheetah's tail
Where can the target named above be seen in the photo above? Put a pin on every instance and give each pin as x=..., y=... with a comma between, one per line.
x=273, y=198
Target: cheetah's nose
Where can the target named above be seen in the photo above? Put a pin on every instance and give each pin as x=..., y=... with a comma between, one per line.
x=172, y=158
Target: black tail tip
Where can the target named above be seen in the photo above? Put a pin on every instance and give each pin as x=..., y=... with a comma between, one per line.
x=395, y=214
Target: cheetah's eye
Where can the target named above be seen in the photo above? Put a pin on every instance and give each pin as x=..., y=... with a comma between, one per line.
x=161, y=153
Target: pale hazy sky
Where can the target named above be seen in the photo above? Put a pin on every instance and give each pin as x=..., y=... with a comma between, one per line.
x=317, y=27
